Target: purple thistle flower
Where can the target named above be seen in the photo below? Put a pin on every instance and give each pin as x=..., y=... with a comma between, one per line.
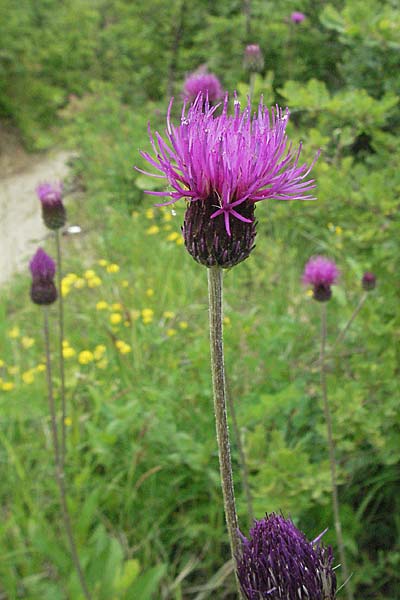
x=53, y=210
x=297, y=17
x=279, y=563
x=223, y=165
x=43, y=268
x=368, y=281
x=202, y=82
x=321, y=273
x=253, y=58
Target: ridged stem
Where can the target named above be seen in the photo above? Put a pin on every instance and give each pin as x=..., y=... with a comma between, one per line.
x=221, y=421
x=60, y=348
x=59, y=469
x=332, y=458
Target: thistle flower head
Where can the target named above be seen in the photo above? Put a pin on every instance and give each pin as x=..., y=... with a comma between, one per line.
x=279, y=563
x=321, y=273
x=43, y=268
x=253, y=58
x=53, y=210
x=201, y=81
x=368, y=281
x=297, y=17
x=222, y=165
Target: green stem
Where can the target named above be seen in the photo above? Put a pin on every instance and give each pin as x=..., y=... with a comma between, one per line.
x=60, y=348
x=221, y=422
x=345, y=329
x=251, y=85
x=332, y=459
x=59, y=467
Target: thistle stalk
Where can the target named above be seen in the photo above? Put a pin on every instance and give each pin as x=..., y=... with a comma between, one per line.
x=332, y=458
x=60, y=348
x=59, y=465
x=221, y=422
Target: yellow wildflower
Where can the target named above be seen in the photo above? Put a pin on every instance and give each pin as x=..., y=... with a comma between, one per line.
x=94, y=282
x=102, y=364
x=89, y=274
x=117, y=306
x=68, y=352
x=115, y=318
x=147, y=315
x=28, y=377
x=85, y=357
x=135, y=214
x=153, y=230
x=65, y=289
x=167, y=227
x=123, y=347
x=226, y=321
x=13, y=370
x=79, y=283
x=179, y=241
x=27, y=342
x=1, y=363
x=125, y=283
x=68, y=421
x=171, y=332
x=149, y=293
x=149, y=213
x=135, y=314
x=99, y=351
x=41, y=367
x=167, y=216
x=8, y=386
x=14, y=332
x=70, y=277
x=309, y=293
x=102, y=262
x=101, y=305
x=172, y=237
x=113, y=268
x=168, y=314
x=183, y=325
x=338, y=230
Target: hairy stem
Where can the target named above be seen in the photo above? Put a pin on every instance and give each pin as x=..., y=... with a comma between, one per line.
x=221, y=422
x=59, y=467
x=60, y=348
x=332, y=459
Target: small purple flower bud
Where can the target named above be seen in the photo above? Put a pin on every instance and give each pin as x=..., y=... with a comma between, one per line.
x=53, y=210
x=321, y=273
x=297, y=17
x=253, y=58
x=202, y=82
x=43, y=268
x=368, y=281
x=279, y=563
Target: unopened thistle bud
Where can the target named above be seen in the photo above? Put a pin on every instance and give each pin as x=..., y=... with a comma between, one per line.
x=321, y=273
x=43, y=268
x=279, y=563
x=253, y=58
x=53, y=210
x=368, y=281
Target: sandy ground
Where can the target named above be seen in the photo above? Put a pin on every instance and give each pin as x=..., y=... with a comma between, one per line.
x=21, y=227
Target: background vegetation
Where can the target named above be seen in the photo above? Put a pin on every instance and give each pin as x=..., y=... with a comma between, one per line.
x=142, y=461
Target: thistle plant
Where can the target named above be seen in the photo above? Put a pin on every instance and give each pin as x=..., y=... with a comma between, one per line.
x=222, y=166
x=54, y=217
x=44, y=293
x=202, y=82
x=322, y=274
x=279, y=563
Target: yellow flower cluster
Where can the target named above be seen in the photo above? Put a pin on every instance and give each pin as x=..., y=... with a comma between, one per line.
x=68, y=351
x=123, y=347
x=147, y=315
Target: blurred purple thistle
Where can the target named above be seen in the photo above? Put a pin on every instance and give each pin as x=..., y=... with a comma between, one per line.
x=253, y=58
x=368, y=281
x=223, y=165
x=279, y=563
x=202, y=82
x=321, y=273
x=53, y=210
x=43, y=268
x=297, y=17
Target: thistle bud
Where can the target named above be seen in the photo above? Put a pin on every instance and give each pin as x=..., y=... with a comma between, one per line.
x=53, y=210
x=368, y=281
x=43, y=268
x=253, y=58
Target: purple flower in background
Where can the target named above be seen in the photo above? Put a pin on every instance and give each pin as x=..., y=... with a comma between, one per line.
x=43, y=269
x=279, y=563
x=202, y=82
x=223, y=165
x=368, y=281
x=53, y=210
x=321, y=273
x=297, y=17
x=253, y=58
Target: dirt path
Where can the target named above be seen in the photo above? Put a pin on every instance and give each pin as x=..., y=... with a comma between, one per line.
x=21, y=228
